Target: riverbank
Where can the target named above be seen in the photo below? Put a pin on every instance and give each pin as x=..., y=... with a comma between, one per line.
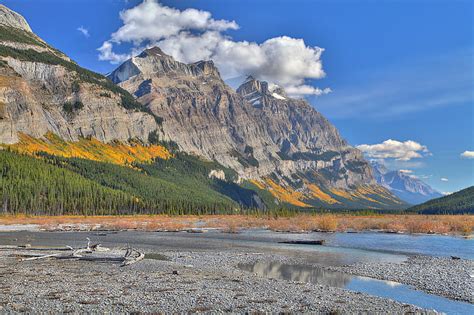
x=209, y=272
x=389, y=223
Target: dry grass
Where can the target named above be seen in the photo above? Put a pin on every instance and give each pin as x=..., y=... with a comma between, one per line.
x=442, y=224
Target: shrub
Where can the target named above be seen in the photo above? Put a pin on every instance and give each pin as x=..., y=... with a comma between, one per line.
x=72, y=107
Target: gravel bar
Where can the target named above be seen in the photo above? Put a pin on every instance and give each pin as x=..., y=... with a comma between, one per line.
x=186, y=281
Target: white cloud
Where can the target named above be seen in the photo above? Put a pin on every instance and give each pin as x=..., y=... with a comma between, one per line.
x=151, y=21
x=401, y=151
x=444, y=179
x=191, y=35
x=468, y=154
x=307, y=90
x=447, y=193
x=84, y=31
x=406, y=171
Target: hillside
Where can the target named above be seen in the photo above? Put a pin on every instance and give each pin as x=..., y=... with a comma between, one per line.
x=55, y=185
x=456, y=203
x=42, y=90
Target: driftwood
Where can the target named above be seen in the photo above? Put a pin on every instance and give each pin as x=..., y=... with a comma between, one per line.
x=130, y=257
x=319, y=242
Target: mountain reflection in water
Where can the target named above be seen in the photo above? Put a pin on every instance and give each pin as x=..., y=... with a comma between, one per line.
x=299, y=273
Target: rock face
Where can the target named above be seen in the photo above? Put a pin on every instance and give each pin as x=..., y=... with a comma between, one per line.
x=258, y=132
x=404, y=186
x=254, y=131
x=13, y=19
x=42, y=90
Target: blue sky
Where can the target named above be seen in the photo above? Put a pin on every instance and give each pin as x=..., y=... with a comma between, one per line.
x=400, y=70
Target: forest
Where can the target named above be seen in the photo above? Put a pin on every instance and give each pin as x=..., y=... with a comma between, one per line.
x=52, y=185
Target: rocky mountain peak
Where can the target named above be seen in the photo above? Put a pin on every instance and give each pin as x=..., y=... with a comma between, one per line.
x=153, y=62
x=403, y=185
x=207, y=68
x=153, y=51
x=279, y=91
x=252, y=87
x=254, y=90
x=13, y=19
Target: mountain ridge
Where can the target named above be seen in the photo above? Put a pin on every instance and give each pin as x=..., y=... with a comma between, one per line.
x=404, y=186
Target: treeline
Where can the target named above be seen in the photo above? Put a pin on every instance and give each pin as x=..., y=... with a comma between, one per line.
x=31, y=186
x=54, y=185
x=457, y=203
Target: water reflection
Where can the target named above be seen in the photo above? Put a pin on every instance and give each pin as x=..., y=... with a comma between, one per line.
x=299, y=273
x=386, y=289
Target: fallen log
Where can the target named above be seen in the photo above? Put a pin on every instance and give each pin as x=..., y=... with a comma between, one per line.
x=303, y=242
x=130, y=257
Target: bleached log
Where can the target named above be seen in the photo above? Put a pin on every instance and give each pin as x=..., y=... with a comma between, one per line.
x=40, y=257
x=128, y=262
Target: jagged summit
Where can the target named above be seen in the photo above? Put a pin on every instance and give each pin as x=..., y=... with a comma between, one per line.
x=253, y=90
x=257, y=92
x=13, y=19
x=154, y=62
x=153, y=51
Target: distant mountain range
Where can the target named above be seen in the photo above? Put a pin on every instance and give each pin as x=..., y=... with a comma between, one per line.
x=166, y=127
x=406, y=187
x=455, y=203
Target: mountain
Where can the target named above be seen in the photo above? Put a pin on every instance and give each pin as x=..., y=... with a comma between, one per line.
x=162, y=137
x=275, y=142
x=42, y=90
x=94, y=148
x=408, y=188
x=455, y=203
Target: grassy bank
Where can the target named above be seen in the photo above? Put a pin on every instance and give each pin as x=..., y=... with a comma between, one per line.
x=440, y=224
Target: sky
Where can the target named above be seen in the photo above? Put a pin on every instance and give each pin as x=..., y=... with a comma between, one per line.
x=395, y=77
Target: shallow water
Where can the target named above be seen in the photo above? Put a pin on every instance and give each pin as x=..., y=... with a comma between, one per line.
x=422, y=244
x=387, y=289
x=433, y=245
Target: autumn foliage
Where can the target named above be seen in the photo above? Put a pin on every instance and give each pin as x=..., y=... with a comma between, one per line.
x=91, y=149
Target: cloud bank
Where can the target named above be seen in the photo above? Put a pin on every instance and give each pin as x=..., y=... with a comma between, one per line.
x=468, y=154
x=191, y=35
x=400, y=151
